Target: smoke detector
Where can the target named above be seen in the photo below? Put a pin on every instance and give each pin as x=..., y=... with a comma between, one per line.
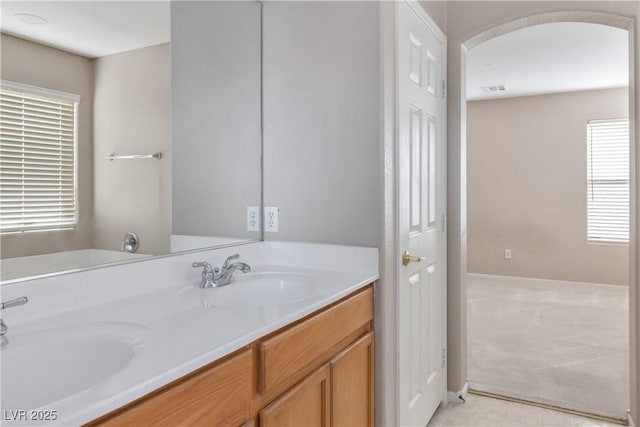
x=494, y=89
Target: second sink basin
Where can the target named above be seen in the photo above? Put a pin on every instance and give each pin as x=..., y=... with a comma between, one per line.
x=45, y=366
x=257, y=290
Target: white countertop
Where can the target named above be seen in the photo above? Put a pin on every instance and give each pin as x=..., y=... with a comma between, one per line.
x=176, y=328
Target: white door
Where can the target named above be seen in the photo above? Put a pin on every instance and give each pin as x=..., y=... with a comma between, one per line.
x=421, y=215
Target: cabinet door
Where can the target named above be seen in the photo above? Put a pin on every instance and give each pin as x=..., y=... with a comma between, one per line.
x=305, y=405
x=352, y=383
x=289, y=356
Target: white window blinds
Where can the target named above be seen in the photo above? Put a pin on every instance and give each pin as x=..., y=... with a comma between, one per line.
x=37, y=158
x=608, y=180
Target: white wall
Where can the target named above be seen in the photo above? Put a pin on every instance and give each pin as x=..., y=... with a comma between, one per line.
x=132, y=116
x=322, y=122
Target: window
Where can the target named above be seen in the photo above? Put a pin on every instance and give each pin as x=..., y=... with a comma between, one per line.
x=608, y=180
x=37, y=158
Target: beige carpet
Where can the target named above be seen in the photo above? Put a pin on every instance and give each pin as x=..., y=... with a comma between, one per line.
x=559, y=343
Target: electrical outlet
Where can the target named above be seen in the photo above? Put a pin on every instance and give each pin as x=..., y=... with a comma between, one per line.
x=507, y=254
x=271, y=219
x=253, y=218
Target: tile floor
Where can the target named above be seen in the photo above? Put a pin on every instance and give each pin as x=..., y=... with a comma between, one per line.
x=489, y=412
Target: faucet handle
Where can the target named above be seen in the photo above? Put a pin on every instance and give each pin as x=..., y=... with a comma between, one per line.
x=13, y=303
x=208, y=274
x=226, y=262
x=206, y=265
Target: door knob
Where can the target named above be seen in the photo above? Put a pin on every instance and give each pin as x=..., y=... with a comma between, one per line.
x=407, y=258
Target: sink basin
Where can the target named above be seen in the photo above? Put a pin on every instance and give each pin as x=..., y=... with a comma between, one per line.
x=43, y=367
x=257, y=290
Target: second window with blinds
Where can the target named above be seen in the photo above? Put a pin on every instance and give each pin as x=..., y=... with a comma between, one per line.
x=608, y=181
x=37, y=158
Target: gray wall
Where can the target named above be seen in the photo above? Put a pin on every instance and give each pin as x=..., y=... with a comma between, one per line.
x=216, y=143
x=527, y=171
x=322, y=120
x=34, y=64
x=437, y=10
x=132, y=115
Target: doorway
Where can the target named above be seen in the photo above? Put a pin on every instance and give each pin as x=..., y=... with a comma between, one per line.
x=547, y=266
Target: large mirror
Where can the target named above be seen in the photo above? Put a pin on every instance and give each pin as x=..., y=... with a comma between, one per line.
x=129, y=130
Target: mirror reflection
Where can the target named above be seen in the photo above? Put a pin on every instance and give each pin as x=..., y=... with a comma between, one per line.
x=122, y=139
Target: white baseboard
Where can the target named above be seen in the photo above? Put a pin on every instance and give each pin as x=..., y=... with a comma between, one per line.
x=455, y=396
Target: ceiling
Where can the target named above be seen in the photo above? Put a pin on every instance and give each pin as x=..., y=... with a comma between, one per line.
x=89, y=28
x=557, y=57
x=549, y=58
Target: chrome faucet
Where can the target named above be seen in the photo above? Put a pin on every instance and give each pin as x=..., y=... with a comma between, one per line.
x=208, y=274
x=3, y=326
x=226, y=274
x=214, y=277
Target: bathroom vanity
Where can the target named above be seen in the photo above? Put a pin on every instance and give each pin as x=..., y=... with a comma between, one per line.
x=289, y=343
x=318, y=371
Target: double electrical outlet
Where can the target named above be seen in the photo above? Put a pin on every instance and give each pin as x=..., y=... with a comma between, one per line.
x=270, y=218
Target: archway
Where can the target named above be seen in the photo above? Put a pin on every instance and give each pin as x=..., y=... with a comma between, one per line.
x=458, y=336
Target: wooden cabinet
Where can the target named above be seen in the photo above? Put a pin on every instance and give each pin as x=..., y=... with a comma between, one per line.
x=286, y=357
x=352, y=385
x=320, y=371
x=218, y=395
x=307, y=404
x=339, y=394
x=316, y=372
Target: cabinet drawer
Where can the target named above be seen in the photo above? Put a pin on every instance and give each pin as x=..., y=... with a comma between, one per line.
x=286, y=357
x=215, y=396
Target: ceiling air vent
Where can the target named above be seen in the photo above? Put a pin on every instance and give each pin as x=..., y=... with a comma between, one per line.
x=494, y=89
